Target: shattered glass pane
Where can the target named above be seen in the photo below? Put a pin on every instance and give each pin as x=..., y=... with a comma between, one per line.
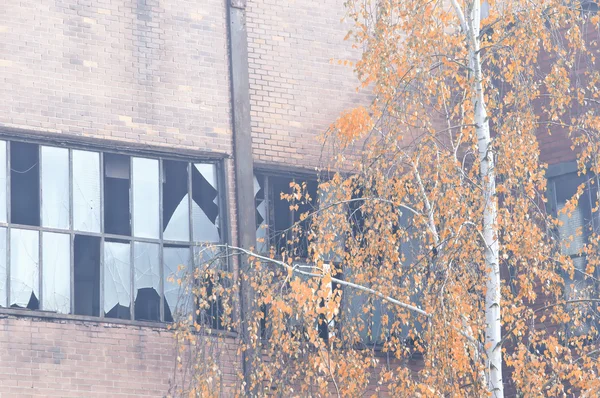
x=24, y=270
x=175, y=302
x=24, y=183
x=2, y=267
x=145, y=185
x=175, y=201
x=117, y=280
x=147, y=281
x=3, y=209
x=262, y=232
x=86, y=191
x=205, y=204
x=55, y=187
x=56, y=275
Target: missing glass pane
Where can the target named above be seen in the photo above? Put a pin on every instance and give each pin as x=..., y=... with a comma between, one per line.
x=145, y=186
x=116, y=195
x=176, y=301
x=2, y=267
x=56, y=275
x=3, y=165
x=86, y=191
x=24, y=269
x=55, y=187
x=175, y=201
x=147, y=281
x=205, y=203
x=87, y=275
x=24, y=183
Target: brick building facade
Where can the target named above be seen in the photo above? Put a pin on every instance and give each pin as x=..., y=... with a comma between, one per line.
x=99, y=97
x=99, y=94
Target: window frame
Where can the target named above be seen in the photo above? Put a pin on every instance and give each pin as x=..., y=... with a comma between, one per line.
x=132, y=151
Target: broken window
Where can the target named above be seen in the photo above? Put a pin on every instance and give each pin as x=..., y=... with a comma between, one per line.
x=176, y=210
x=24, y=271
x=116, y=195
x=56, y=275
x=86, y=191
x=24, y=183
x=262, y=230
x=147, y=281
x=286, y=230
x=3, y=267
x=87, y=275
x=55, y=187
x=78, y=201
x=145, y=187
x=176, y=260
x=3, y=162
x=574, y=231
x=205, y=203
x=117, y=279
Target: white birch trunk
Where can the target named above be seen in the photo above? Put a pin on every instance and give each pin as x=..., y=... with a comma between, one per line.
x=492, y=298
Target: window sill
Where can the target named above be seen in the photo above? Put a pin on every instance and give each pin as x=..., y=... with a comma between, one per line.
x=53, y=316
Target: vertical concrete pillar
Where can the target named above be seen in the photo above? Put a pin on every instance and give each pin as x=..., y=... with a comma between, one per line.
x=244, y=176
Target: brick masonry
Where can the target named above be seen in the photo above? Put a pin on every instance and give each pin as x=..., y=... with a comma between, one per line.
x=60, y=358
x=295, y=91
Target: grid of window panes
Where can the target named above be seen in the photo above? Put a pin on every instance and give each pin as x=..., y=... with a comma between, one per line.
x=91, y=233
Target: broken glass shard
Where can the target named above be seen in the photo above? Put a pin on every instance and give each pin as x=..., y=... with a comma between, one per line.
x=55, y=187
x=117, y=280
x=3, y=208
x=24, y=183
x=175, y=201
x=24, y=269
x=145, y=186
x=2, y=267
x=147, y=281
x=86, y=191
x=205, y=204
x=176, y=301
x=262, y=231
x=56, y=275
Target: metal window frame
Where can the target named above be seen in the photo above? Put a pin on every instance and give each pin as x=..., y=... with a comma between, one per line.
x=189, y=158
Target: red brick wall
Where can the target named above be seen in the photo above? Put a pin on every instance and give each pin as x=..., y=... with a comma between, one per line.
x=295, y=91
x=59, y=358
x=154, y=71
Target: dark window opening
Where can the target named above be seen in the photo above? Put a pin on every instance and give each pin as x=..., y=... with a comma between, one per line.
x=205, y=209
x=87, y=275
x=289, y=233
x=146, y=281
x=116, y=195
x=24, y=183
x=175, y=200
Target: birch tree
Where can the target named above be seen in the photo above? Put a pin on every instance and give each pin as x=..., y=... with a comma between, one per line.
x=428, y=264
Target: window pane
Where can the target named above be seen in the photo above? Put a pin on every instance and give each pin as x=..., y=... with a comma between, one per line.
x=581, y=217
x=86, y=191
x=3, y=209
x=117, y=280
x=87, y=275
x=175, y=300
x=147, y=281
x=24, y=269
x=55, y=187
x=24, y=183
x=2, y=267
x=262, y=231
x=176, y=212
x=117, y=213
x=145, y=187
x=56, y=272
x=205, y=203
